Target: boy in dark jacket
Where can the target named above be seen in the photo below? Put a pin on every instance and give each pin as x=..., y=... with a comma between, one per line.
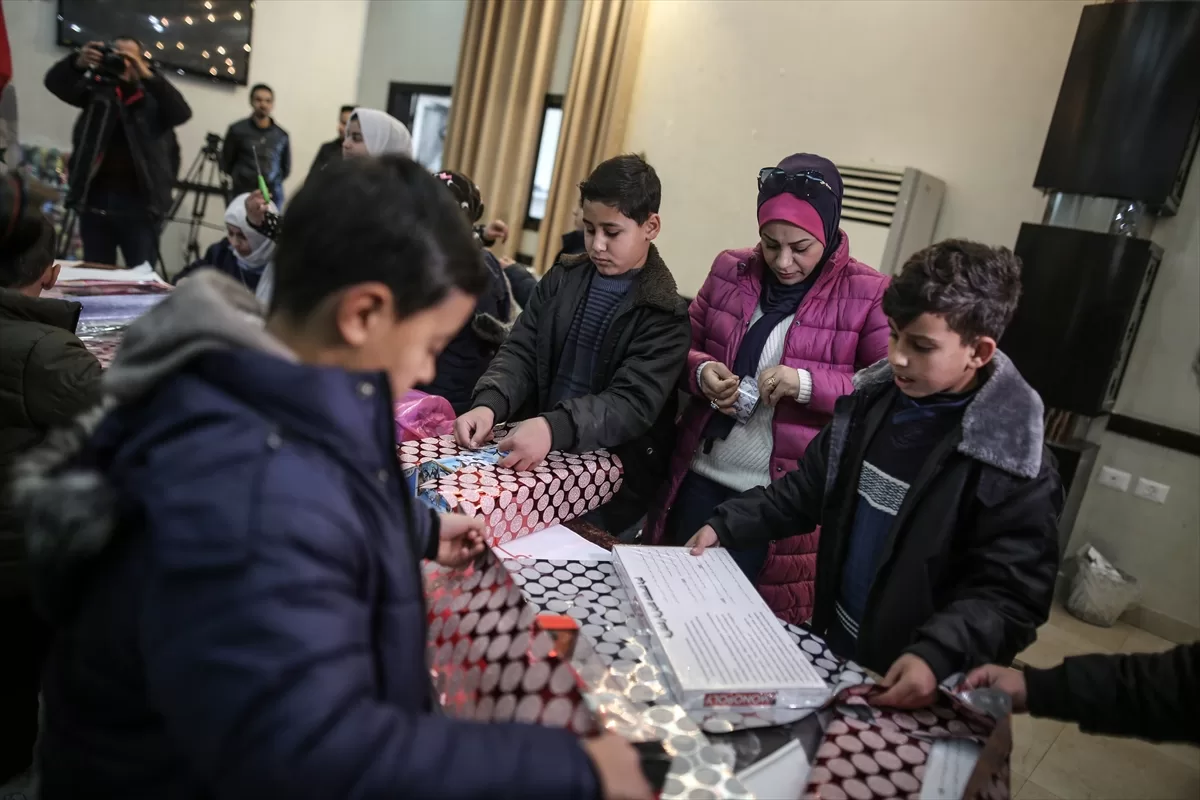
x=1151, y=696
x=937, y=499
x=593, y=360
x=230, y=556
x=47, y=377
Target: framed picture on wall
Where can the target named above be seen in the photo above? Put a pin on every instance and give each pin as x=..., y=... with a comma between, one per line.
x=425, y=110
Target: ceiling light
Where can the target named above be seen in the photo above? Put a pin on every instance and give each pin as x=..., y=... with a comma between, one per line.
x=246, y=47
x=211, y=18
x=212, y=70
x=188, y=20
x=221, y=50
x=237, y=15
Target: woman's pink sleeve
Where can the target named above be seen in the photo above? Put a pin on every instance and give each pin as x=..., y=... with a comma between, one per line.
x=699, y=316
x=828, y=385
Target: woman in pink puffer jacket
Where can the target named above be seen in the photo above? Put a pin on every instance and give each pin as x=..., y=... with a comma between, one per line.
x=797, y=316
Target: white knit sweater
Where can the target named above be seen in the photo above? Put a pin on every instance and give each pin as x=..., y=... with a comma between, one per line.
x=742, y=460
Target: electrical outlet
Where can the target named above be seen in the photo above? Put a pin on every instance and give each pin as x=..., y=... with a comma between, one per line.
x=1114, y=479
x=1151, y=490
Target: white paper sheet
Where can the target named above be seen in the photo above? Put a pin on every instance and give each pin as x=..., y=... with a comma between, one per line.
x=555, y=542
x=139, y=274
x=951, y=762
x=724, y=645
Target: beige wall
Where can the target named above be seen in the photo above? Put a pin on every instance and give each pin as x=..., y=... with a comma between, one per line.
x=409, y=41
x=962, y=89
x=293, y=41
x=1160, y=544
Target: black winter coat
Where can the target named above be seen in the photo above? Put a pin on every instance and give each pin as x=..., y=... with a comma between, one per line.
x=47, y=378
x=148, y=115
x=1148, y=695
x=328, y=153
x=462, y=363
x=631, y=410
x=274, y=156
x=967, y=573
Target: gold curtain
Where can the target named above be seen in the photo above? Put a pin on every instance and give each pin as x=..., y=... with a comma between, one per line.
x=595, y=109
x=504, y=72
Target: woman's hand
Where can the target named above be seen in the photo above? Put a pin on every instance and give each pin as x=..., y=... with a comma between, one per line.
x=719, y=385
x=474, y=428
x=778, y=383
x=256, y=208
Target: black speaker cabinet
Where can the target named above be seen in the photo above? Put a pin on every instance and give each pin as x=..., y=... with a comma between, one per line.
x=1128, y=113
x=1083, y=297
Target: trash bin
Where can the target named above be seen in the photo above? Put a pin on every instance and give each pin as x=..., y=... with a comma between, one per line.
x=1100, y=593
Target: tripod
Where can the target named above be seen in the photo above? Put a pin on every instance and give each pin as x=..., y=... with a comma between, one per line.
x=91, y=152
x=204, y=178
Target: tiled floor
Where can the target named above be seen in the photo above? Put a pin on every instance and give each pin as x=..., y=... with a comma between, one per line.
x=1055, y=761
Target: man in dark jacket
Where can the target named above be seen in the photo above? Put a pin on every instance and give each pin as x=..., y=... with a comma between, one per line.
x=230, y=557
x=47, y=377
x=257, y=135
x=593, y=360
x=121, y=171
x=332, y=150
x=937, y=499
x=1150, y=696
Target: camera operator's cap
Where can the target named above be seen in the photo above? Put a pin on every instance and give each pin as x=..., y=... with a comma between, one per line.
x=465, y=192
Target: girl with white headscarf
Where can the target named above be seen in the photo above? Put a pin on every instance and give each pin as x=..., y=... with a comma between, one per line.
x=374, y=133
x=243, y=254
x=368, y=133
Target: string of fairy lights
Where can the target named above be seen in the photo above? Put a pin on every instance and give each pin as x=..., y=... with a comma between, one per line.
x=163, y=25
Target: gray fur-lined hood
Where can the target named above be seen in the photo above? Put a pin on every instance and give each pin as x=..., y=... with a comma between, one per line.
x=1003, y=426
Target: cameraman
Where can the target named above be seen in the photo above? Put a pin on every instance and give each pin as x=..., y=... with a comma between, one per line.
x=121, y=177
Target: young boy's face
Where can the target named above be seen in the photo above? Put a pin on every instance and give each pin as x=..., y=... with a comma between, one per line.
x=406, y=349
x=615, y=243
x=928, y=357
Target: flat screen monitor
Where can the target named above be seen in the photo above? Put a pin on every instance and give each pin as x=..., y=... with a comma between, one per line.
x=207, y=38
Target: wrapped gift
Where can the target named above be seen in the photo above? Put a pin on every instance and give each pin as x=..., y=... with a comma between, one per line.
x=472, y=482
x=951, y=749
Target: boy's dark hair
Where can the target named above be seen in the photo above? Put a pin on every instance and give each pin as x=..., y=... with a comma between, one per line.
x=374, y=219
x=258, y=86
x=347, y=110
x=626, y=183
x=974, y=286
x=24, y=267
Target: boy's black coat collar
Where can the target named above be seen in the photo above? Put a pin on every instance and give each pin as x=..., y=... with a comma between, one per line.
x=1003, y=426
x=655, y=286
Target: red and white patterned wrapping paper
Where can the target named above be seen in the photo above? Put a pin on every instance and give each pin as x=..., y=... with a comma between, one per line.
x=515, y=504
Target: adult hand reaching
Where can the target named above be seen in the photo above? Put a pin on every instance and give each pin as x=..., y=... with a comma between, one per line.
x=703, y=539
x=719, y=385
x=460, y=539
x=527, y=446
x=910, y=683
x=474, y=428
x=1009, y=681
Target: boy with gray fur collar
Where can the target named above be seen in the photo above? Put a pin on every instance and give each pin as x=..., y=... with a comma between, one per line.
x=937, y=498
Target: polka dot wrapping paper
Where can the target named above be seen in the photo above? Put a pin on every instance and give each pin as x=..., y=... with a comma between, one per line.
x=493, y=659
x=869, y=753
x=514, y=504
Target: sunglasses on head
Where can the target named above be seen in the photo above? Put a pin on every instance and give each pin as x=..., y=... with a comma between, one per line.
x=775, y=181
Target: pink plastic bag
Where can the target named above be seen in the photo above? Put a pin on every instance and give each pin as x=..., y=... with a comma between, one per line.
x=420, y=416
